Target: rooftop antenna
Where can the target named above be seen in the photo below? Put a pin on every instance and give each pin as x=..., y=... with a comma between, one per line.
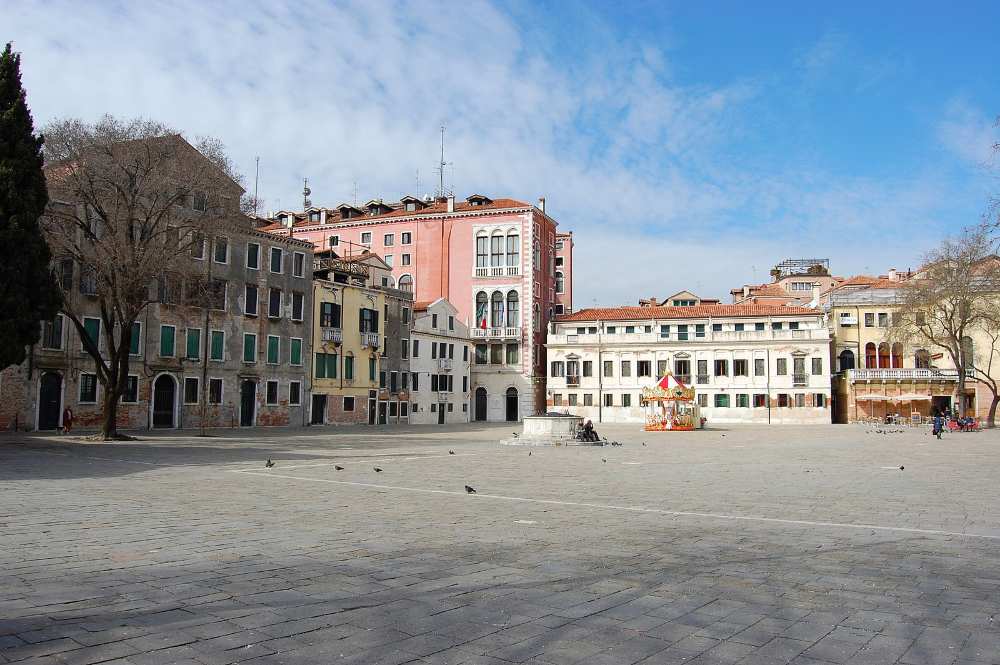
x=440, y=168
x=256, y=182
x=306, y=203
x=355, y=193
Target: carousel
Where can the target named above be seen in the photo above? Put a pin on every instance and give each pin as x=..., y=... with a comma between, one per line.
x=670, y=405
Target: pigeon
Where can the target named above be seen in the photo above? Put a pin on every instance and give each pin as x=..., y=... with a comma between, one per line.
x=529, y=453
x=470, y=490
x=269, y=464
x=604, y=459
x=338, y=467
x=643, y=444
x=901, y=468
x=515, y=434
x=377, y=469
x=451, y=452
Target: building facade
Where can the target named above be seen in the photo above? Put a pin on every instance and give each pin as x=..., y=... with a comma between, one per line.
x=440, y=365
x=493, y=260
x=249, y=348
x=564, y=273
x=747, y=363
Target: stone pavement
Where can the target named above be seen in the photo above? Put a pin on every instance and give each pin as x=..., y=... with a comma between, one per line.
x=748, y=545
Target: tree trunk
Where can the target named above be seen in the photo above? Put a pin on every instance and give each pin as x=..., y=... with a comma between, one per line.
x=992, y=415
x=109, y=428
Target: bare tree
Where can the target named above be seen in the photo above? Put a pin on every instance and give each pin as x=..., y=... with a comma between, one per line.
x=953, y=297
x=131, y=201
x=986, y=357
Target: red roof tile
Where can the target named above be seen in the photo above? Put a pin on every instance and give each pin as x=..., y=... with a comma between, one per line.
x=697, y=312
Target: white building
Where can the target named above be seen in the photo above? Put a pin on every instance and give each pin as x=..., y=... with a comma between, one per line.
x=440, y=356
x=747, y=363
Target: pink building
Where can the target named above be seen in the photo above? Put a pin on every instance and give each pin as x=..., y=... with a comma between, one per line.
x=564, y=273
x=494, y=260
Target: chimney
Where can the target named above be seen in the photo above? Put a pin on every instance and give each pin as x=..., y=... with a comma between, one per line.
x=815, y=300
x=893, y=276
x=287, y=220
x=451, y=203
x=746, y=290
x=541, y=204
x=322, y=216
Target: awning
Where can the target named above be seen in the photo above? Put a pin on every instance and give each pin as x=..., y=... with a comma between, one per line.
x=913, y=397
x=870, y=398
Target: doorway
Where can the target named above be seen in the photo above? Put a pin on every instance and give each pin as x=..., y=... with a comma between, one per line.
x=248, y=402
x=318, y=410
x=441, y=408
x=164, y=399
x=49, y=401
x=382, y=413
x=511, y=405
x=481, y=404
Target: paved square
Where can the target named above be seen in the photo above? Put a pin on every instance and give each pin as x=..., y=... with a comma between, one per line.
x=738, y=545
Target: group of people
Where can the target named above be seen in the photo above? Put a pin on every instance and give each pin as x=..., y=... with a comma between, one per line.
x=586, y=432
x=941, y=420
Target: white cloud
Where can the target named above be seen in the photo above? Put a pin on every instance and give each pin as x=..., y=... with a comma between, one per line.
x=969, y=133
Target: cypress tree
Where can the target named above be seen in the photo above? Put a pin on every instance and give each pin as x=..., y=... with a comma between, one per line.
x=28, y=291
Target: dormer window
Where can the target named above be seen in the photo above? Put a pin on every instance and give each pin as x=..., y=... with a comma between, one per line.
x=479, y=200
x=314, y=215
x=410, y=206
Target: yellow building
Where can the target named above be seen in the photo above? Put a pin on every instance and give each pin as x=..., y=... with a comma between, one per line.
x=348, y=327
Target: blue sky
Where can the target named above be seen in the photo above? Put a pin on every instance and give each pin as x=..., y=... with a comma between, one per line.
x=687, y=145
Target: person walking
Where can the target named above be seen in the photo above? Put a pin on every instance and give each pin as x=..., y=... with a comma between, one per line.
x=938, y=426
x=67, y=420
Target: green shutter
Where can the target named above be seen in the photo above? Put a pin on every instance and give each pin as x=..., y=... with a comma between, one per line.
x=193, y=344
x=331, y=365
x=92, y=328
x=295, y=354
x=133, y=347
x=349, y=368
x=167, y=341
x=272, y=349
x=320, y=365
x=218, y=337
x=371, y=369
x=249, y=348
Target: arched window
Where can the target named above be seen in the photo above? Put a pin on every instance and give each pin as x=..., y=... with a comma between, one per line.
x=496, y=250
x=535, y=312
x=482, y=250
x=883, y=355
x=537, y=256
x=968, y=353
x=496, y=318
x=559, y=281
x=870, y=360
x=922, y=359
x=512, y=310
x=482, y=307
x=406, y=283
x=513, y=250
x=897, y=355
x=846, y=360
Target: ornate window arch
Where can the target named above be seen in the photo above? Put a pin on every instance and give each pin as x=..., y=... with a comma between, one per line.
x=513, y=313
x=871, y=358
x=496, y=249
x=513, y=248
x=846, y=360
x=482, y=309
x=482, y=249
x=406, y=282
x=883, y=355
x=560, y=281
x=897, y=355
x=496, y=313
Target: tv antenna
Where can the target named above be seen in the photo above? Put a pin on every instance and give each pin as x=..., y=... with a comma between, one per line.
x=355, y=193
x=306, y=203
x=441, y=167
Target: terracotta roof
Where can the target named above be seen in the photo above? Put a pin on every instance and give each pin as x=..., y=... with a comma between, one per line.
x=421, y=305
x=697, y=312
x=859, y=280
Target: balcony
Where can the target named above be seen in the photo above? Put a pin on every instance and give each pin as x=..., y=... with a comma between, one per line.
x=683, y=378
x=702, y=379
x=370, y=339
x=334, y=335
x=498, y=271
x=497, y=333
x=443, y=397
x=800, y=380
x=444, y=363
x=903, y=374
x=572, y=380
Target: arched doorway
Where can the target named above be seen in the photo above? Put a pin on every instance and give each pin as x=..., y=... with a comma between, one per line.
x=49, y=400
x=480, y=407
x=248, y=402
x=164, y=399
x=846, y=360
x=511, y=404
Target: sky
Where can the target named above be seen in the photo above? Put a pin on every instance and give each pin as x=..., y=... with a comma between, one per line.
x=686, y=145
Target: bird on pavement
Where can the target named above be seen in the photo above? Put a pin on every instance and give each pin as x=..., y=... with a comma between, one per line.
x=451, y=452
x=529, y=453
x=269, y=464
x=377, y=469
x=515, y=434
x=338, y=467
x=470, y=490
x=901, y=468
x=643, y=444
x=604, y=459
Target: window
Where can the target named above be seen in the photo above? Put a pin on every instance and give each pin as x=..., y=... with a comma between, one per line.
x=451, y=323
x=629, y=330
x=776, y=325
x=611, y=330
x=192, y=337
x=215, y=391
x=465, y=384
x=702, y=400
x=393, y=382
x=480, y=354
x=513, y=250
x=434, y=320
x=381, y=379
x=221, y=253
x=741, y=367
x=496, y=315
x=404, y=348
x=782, y=399
x=512, y=354
x=167, y=341
x=406, y=315
x=404, y=380
x=801, y=286
x=870, y=356
x=716, y=327
x=197, y=245
x=626, y=399
x=273, y=349
x=572, y=399
x=817, y=365
x=661, y=368
x=52, y=334
x=665, y=332
x=190, y=390
x=699, y=330
x=883, y=320
x=682, y=370
x=348, y=403
x=496, y=250
x=800, y=400
x=588, y=367
x=371, y=369
x=406, y=238
x=465, y=353
x=781, y=366
x=66, y=274
x=415, y=380
x=389, y=261
x=609, y=400
x=496, y=354
x=271, y=393
x=759, y=400
x=759, y=326
x=298, y=264
x=250, y=300
x=513, y=319
x=722, y=368
x=626, y=368
x=793, y=325
x=276, y=257
x=329, y=315
x=742, y=401
x=92, y=331
x=644, y=368
x=758, y=367
x=334, y=241
x=416, y=348
x=404, y=259
x=253, y=256
x=869, y=319
x=131, y=394
x=366, y=238
x=560, y=282
x=274, y=303
x=482, y=251
x=682, y=332
x=249, y=348
x=702, y=376
x=298, y=305
x=722, y=401
x=326, y=366
x=819, y=400
x=88, y=388
x=609, y=368
x=588, y=399
x=368, y=320
x=738, y=327
x=218, y=345
x=388, y=240
x=348, y=367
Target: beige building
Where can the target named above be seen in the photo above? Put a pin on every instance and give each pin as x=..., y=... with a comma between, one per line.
x=440, y=364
